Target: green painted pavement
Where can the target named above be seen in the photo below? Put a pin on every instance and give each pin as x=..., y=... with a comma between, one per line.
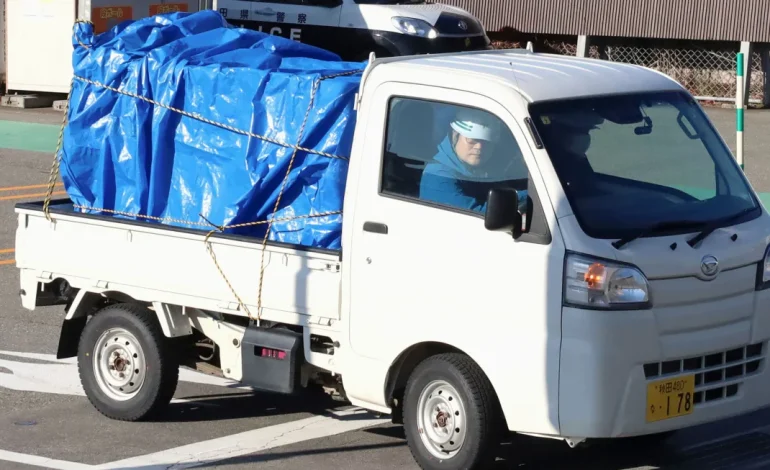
x=29, y=136
x=44, y=138
x=703, y=194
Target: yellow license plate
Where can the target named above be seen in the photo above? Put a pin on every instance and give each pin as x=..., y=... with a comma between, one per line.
x=670, y=398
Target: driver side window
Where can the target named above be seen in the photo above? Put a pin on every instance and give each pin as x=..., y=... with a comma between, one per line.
x=448, y=155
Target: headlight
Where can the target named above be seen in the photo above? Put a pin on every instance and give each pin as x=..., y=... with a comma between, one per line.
x=763, y=274
x=414, y=27
x=604, y=285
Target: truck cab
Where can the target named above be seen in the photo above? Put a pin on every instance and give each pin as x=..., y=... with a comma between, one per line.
x=355, y=28
x=610, y=273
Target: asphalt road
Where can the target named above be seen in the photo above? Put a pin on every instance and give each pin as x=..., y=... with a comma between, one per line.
x=45, y=421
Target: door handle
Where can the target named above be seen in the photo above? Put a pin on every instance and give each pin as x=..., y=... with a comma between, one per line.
x=375, y=227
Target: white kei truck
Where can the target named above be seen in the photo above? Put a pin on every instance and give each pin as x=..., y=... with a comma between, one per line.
x=611, y=280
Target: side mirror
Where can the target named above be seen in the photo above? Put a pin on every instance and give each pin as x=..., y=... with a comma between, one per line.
x=503, y=211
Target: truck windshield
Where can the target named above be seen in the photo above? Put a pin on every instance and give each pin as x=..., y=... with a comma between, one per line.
x=629, y=163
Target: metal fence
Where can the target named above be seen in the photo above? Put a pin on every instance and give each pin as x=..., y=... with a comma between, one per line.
x=707, y=72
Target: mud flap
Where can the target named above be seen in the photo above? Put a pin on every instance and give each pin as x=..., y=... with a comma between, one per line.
x=272, y=359
x=70, y=337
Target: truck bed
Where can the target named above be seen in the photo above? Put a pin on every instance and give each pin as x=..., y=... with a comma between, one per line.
x=159, y=263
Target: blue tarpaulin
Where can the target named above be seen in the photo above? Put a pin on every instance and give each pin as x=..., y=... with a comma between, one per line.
x=133, y=157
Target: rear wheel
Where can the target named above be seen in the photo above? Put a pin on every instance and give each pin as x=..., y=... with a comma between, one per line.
x=451, y=417
x=127, y=368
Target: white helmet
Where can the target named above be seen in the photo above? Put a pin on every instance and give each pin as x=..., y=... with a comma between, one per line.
x=475, y=124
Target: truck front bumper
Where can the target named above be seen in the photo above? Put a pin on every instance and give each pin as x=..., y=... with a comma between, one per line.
x=611, y=361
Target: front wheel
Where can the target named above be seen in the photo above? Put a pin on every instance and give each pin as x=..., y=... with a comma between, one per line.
x=127, y=368
x=451, y=417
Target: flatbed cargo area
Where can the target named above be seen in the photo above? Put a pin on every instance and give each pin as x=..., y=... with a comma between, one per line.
x=154, y=262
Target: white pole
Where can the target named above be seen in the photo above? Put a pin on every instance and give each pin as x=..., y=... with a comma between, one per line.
x=739, y=110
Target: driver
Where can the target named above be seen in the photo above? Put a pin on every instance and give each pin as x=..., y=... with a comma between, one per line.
x=570, y=140
x=457, y=173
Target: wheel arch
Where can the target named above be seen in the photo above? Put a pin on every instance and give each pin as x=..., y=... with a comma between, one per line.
x=83, y=304
x=87, y=302
x=405, y=363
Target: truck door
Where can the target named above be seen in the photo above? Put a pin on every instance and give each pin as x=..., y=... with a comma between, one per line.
x=314, y=22
x=423, y=266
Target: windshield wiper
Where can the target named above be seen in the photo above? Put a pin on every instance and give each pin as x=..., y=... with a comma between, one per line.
x=664, y=225
x=710, y=228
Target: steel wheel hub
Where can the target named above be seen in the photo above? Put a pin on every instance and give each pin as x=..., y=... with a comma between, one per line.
x=119, y=364
x=441, y=419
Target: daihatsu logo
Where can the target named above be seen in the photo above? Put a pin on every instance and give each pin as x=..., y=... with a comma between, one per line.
x=709, y=265
x=463, y=25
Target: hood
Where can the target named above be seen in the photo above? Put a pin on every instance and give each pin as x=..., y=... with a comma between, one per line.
x=670, y=257
x=429, y=12
x=446, y=19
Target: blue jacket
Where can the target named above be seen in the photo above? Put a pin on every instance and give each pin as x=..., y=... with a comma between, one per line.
x=448, y=180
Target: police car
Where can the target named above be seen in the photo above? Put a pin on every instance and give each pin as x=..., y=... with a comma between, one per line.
x=354, y=28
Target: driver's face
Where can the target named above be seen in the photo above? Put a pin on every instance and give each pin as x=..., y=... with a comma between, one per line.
x=471, y=151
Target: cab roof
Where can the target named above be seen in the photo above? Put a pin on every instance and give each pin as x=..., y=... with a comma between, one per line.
x=545, y=77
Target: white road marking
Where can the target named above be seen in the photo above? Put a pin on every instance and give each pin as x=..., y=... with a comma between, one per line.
x=223, y=448
x=36, y=461
x=59, y=379
x=249, y=442
x=189, y=375
x=39, y=357
x=60, y=376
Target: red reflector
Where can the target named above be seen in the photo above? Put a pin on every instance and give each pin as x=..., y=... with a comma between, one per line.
x=274, y=353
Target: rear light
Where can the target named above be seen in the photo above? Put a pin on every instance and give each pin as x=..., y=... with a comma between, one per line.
x=273, y=354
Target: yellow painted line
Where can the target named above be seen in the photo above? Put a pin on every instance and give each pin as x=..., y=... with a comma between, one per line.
x=7, y=250
x=25, y=196
x=8, y=261
x=22, y=188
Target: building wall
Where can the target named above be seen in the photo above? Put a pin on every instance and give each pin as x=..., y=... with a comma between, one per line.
x=717, y=20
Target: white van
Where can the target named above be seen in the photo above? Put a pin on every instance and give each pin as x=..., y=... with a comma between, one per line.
x=608, y=278
x=354, y=28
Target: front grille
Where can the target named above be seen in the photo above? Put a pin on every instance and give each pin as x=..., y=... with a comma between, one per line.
x=450, y=23
x=718, y=375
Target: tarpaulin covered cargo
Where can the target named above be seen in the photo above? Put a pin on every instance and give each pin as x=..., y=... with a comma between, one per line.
x=130, y=155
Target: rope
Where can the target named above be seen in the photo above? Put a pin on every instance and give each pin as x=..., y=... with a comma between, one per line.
x=209, y=121
x=221, y=228
x=280, y=194
x=54, y=174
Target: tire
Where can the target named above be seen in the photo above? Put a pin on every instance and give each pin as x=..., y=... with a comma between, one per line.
x=451, y=384
x=137, y=349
